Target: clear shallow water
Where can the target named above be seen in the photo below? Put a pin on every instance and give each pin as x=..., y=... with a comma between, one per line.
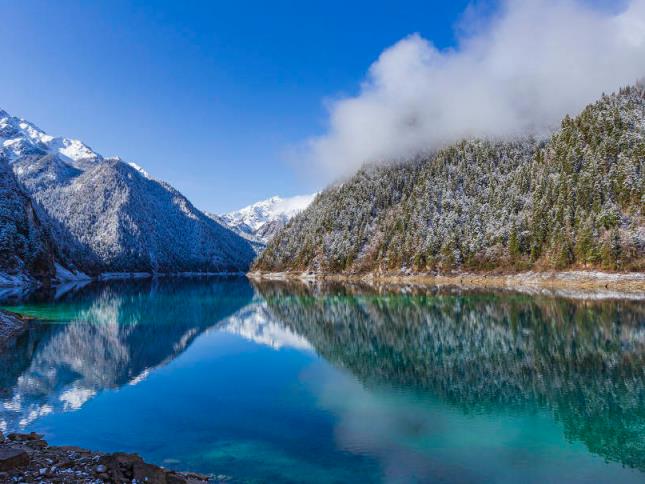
x=337, y=383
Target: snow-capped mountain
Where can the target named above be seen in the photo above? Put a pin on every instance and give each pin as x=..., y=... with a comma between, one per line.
x=106, y=215
x=263, y=219
x=20, y=139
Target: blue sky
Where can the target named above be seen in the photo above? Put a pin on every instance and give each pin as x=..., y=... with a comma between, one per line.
x=205, y=95
x=210, y=96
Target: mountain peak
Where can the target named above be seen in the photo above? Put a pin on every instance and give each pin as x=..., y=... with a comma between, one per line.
x=262, y=219
x=19, y=138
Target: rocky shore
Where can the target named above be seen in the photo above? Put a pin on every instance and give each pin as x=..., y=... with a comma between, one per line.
x=591, y=283
x=28, y=458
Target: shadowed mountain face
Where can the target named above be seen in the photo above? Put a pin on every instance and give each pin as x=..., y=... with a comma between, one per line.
x=116, y=335
x=25, y=248
x=486, y=353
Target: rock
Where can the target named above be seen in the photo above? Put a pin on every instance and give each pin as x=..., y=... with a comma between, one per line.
x=194, y=476
x=28, y=458
x=24, y=437
x=119, y=465
x=150, y=473
x=36, y=444
x=120, y=458
x=172, y=478
x=73, y=449
x=11, y=458
x=185, y=478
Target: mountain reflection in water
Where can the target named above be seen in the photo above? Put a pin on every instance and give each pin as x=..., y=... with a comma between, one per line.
x=106, y=336
x=412, y=371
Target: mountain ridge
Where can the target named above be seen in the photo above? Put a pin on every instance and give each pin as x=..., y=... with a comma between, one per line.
x=106, y=215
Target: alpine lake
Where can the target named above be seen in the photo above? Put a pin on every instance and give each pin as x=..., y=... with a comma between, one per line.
x=293, y=382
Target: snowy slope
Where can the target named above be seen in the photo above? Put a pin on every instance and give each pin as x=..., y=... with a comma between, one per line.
x=263, y=219
x=106, y=215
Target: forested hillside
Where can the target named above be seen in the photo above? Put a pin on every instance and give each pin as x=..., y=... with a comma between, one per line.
x=574, y=200
x=112, y=218
x=25, y=250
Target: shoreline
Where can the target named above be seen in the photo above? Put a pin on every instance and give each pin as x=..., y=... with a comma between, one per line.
x=29, y=458
x=591, y=282
x=22, y=282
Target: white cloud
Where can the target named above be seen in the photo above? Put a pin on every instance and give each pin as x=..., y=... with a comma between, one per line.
x=520, y=71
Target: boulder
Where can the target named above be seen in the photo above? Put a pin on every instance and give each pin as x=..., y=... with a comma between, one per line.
x=149, y=473
x=11, y=458
x=185, y=478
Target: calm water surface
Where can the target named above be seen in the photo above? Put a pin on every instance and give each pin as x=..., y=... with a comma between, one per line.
x=289, y=383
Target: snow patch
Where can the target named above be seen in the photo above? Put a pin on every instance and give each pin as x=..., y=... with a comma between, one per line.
x=139, y=169
x=65, y=275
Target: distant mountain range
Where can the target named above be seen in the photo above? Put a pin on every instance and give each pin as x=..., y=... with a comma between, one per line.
x=262, y=220
x=573, y=200
x=67, y=211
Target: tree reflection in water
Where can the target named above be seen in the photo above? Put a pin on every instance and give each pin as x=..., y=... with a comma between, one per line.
x=480, y=351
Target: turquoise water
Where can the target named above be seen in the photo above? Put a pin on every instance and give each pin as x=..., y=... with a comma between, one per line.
x=290, y=383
